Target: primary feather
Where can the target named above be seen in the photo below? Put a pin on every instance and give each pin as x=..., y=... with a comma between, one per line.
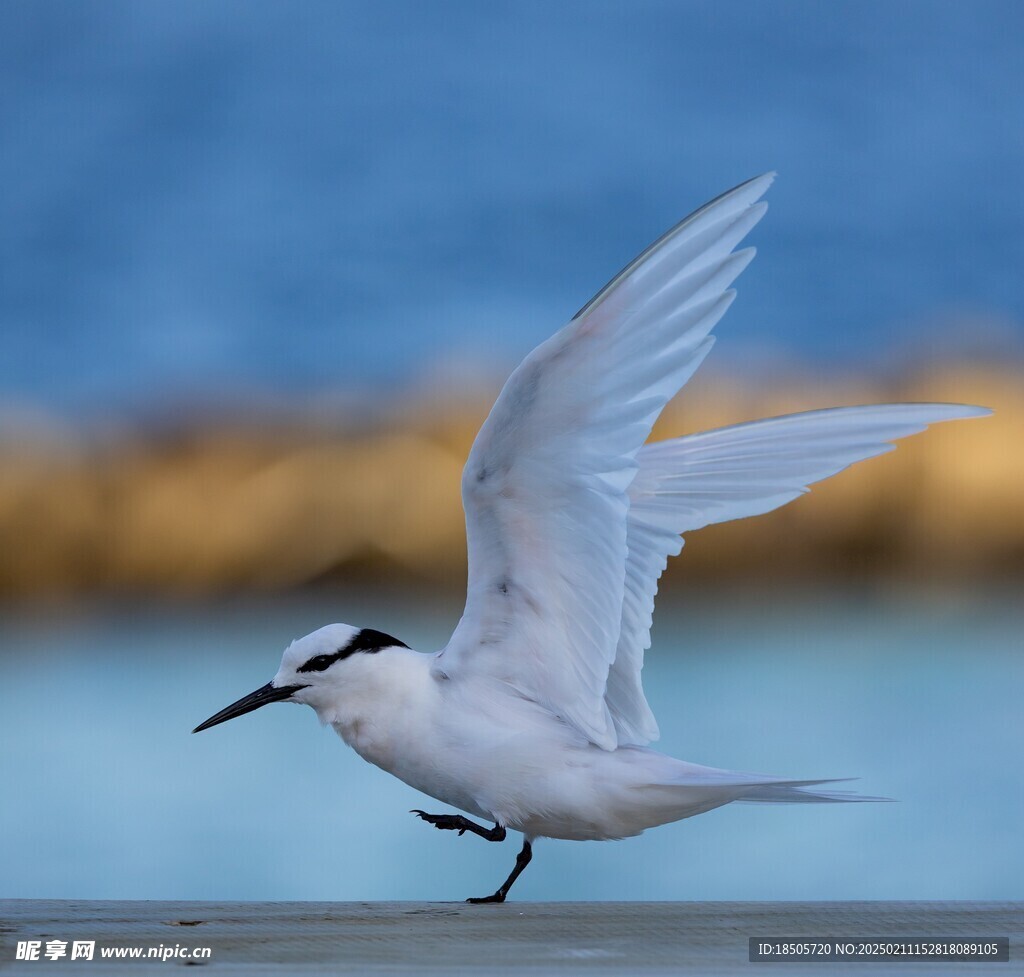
x=730, y=473
x=545, y=487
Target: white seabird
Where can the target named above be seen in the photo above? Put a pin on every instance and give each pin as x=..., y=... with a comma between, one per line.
x=533, y=716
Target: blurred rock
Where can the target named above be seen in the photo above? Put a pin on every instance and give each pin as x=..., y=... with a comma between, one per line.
x=234, y=507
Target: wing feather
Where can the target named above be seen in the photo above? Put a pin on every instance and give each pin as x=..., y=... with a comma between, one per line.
x=545, y=486
x=730, y=473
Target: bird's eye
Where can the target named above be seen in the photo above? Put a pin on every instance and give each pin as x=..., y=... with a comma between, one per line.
x=319, y=663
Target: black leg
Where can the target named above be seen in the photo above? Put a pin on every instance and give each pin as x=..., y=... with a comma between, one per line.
x=456, y=822
x=522, y=860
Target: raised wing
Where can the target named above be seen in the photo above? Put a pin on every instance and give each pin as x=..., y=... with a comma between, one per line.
x=545, y=486
x=730, y=473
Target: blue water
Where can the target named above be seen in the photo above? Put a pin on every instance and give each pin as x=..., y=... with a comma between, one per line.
x=106, y=795
x=208, y=199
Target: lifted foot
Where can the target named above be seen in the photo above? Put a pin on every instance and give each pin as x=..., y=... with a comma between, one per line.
x=522, y=860
x=456, y=822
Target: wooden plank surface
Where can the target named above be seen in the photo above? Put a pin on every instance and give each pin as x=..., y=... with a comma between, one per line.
x=511, y=939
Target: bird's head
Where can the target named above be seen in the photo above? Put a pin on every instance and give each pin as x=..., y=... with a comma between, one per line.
x=314, y=670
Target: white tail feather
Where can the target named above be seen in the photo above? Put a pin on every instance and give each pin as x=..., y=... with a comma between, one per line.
x=779, y=794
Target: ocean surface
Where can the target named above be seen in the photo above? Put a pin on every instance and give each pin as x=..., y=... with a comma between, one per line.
x=107, y=795
x=212, y=201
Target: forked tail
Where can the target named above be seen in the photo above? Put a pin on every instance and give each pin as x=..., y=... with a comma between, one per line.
x=783, y=794
x=757, y=788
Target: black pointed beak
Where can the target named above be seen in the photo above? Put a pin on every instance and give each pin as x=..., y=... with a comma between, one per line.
x=269, y=693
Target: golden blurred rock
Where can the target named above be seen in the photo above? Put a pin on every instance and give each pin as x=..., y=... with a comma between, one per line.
x=229, y=507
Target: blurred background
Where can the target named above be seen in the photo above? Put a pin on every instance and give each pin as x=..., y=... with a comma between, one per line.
x=263, y=269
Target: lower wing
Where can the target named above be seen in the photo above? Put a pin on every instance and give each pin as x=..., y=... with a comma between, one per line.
x=732, y=472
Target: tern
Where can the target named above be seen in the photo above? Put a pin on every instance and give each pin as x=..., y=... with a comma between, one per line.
x=533, y=717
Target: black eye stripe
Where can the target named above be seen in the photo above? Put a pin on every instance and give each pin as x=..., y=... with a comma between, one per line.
x=319, y=663
x=367, y=641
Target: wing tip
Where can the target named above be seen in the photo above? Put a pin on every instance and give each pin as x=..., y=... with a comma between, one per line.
x=747, y=194
x=757, y=184
x=745, y=198
x=766, y=179
x=973, y=410
x=953, y=412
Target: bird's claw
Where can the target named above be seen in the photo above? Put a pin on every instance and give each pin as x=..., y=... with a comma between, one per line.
x=443, y=822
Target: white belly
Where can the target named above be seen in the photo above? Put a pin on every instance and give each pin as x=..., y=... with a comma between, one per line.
x=503, y=759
